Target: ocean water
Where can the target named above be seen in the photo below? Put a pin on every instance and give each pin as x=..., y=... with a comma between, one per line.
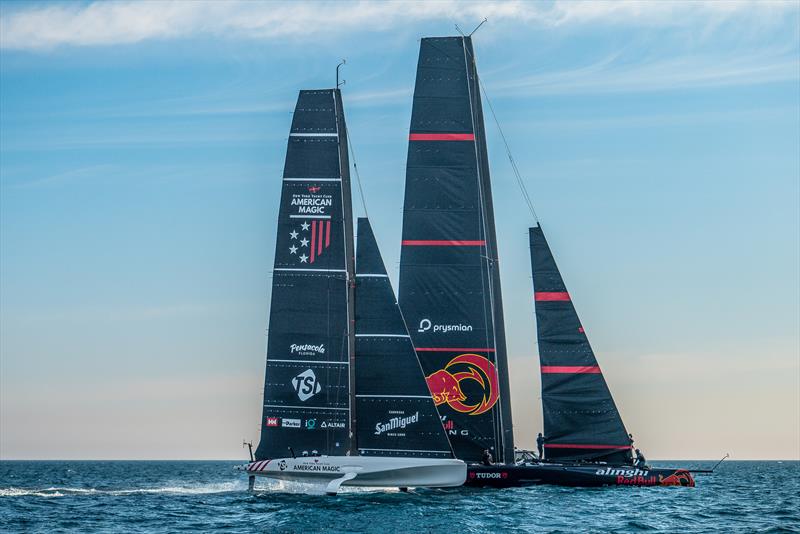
x=66, y=496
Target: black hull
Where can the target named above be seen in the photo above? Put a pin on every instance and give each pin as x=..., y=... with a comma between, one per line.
x=509, y=476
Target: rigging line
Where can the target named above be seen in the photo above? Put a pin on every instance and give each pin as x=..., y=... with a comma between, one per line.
x=518, y=176
x=355, y=168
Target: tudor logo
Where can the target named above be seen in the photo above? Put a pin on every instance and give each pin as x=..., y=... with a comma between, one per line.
x=306, y=385
x=426, y=325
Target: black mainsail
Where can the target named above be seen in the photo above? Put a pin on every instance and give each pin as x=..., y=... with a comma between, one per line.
x=310, y=348
x=581, y=421
x=396, y=414
x=449, y=277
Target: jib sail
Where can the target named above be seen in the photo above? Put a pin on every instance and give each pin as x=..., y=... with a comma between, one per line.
x=581, y=421
x=449, y=280
x=310, y=342
x=396, y=414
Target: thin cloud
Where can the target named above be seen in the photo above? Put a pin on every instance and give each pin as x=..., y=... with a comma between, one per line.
x=125, y=22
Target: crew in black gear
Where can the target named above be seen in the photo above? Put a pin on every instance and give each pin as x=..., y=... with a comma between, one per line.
x=487, y=458
x=540, y=445
x=641, y=461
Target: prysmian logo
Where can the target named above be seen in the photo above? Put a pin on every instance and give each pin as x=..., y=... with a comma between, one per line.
x=426, y=325
x=307, y=349
x=396, y=422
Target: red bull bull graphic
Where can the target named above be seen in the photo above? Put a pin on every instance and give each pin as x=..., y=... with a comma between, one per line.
x=445, y=384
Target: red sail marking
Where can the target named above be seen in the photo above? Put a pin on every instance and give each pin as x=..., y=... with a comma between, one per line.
x=547, y=296
x=442, y=243
x=577, y=446
x=313, y=239
x=319, y=239
x=441, y=137
x=570, y=369
x=452, y=349
x=327, y=234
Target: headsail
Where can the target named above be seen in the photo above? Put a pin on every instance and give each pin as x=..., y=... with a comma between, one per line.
x=307, y=387
x=396, y=414
x=581, y=421
x=449, y=280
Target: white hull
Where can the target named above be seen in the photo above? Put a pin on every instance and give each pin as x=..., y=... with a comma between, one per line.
x=375, y=471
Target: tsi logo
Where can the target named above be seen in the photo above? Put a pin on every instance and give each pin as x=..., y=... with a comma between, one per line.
x=426, y=325
x=306, y=385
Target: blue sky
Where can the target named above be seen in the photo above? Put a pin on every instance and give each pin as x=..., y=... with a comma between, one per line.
x=141, y=147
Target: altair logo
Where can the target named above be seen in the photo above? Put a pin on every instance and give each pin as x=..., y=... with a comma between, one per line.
x=396, y=422
x=426, y=324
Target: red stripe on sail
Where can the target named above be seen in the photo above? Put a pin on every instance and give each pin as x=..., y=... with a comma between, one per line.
x=319, y=240
x=441, y=137
x=327, y=234
x=569, y=369
x=581, y=446
x=442, y=243
x=313, y=239
x=452, y=349
x=546, y=296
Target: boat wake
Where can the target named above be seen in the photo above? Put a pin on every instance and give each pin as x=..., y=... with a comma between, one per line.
x=198, y=489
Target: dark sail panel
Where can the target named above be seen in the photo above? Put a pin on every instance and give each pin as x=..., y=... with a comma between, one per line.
x=306, y=390
x=581, y=421
x=449, y=288
x=396, y=414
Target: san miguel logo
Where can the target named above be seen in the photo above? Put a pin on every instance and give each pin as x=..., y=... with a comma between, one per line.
x=473, y=372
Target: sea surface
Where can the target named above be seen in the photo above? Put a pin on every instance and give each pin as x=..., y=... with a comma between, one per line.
x=166, y=496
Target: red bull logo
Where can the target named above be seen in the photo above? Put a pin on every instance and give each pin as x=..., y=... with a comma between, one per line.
x=445, y=384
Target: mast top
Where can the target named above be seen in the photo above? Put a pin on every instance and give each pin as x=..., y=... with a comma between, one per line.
x=344, y=61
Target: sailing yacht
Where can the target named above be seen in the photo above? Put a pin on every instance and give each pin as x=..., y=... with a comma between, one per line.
x=451, y=297
x=345, y=399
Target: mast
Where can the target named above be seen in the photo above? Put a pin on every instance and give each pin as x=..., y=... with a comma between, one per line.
x=347, y=211
x=505, y=426
x=449, y=285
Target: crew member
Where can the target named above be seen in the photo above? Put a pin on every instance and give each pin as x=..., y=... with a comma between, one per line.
x=641, y=461
x=487, y=458
x=540, y=445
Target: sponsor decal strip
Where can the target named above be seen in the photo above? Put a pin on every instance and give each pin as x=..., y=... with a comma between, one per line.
x=369, y=275
x=565, y=369
x=258, y=466
x=304, y=407
x=320, y=134
x=404, y=450
x=443, y=243
x=312, y=270
x=452, y=349
x=308, y=361
x=382, y=335
x=309, y=216
x=550, y=296
x=396, y=396
x=441, y=137
x=312, y=179
x=581, y=446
